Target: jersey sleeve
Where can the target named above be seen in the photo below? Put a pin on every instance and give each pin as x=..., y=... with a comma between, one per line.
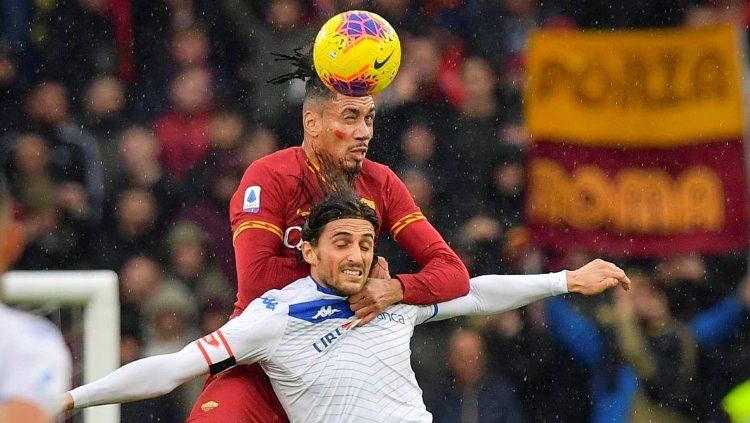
x=257, y=216
x=38, y=370
x=493, y=294
x=443, y=276
x=248, y=338
x=258, y=202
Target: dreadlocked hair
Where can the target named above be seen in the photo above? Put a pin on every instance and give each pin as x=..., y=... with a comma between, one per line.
x=304, y=70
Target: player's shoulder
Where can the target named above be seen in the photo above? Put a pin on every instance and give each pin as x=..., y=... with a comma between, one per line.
x=279, y=300
x=305, y=300
x=25, y=331
x=377, y=170
x=284, y=161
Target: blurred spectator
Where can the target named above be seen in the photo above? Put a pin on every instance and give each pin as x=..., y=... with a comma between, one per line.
x=53, y=215
x=281, y=30
x=661, y=351
x=615, y=384
x=258, y=143
x=162, y=308
x=225, y=131
x=183, y=130
x=81, y=29
x=521, y=349
x=11, y=90
x=480, y=243
x=140, y=167
x=476, y=395
x=210, y=212
x=76, y=156
x=104, y=117
x=508, y=182
x=190, y=48
x=475, y=140
x=134, y=231
x=190, y=262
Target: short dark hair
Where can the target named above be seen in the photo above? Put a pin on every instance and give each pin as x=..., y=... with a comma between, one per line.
x=339, y=205
x=315, y=89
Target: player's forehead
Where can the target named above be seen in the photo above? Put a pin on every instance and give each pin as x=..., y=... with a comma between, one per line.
x=349, y=227
x=363, y=105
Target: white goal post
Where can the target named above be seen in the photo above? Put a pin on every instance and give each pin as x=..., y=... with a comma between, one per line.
x=97, y=292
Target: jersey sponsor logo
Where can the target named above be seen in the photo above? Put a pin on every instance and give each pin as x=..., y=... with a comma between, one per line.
x=209, y=405
x=293, y=237
x=321, y=310
x=251, y=203
x=392, y=317
x=326, y=341
x=325, y=311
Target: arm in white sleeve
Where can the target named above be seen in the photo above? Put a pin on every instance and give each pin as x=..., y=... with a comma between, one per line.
x=141, y=379
x=493, y=294
x=247, y=338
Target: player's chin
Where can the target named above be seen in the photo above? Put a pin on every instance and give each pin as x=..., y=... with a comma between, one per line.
x=350, y=287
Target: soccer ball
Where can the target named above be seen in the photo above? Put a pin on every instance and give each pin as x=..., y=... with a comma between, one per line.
x=357, y=53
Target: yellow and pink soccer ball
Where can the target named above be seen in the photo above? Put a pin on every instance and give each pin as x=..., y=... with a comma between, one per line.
x=357, y=53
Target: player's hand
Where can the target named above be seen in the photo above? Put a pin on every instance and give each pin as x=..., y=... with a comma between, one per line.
x=596, y=277
x=67, y=402
x=376, y=295
x=380, y=269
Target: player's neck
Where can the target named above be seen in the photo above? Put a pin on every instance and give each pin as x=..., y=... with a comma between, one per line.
x=310, y=153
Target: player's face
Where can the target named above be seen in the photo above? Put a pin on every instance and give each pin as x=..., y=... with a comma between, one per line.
x=342, y=258
x=347, y=129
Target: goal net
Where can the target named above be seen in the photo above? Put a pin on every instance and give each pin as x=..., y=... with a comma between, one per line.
x=80, y=301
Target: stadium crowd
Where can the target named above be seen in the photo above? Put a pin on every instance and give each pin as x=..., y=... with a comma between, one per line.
x=126, y=125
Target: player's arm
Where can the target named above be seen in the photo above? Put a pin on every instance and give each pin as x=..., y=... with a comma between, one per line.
x=257, y=217
x=492, y=294
x=442, y=276
x=244, y=339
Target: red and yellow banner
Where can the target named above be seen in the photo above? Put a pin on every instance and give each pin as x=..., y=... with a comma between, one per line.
x=637, y=141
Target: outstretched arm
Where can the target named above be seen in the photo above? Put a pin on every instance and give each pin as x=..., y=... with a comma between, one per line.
x=492, y=294
x=247, y=338
x=141, y=379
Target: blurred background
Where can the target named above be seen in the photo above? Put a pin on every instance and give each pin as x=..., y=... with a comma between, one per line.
x=126, y=125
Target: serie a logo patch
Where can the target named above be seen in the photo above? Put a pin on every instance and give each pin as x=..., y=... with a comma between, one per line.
x=251, y=203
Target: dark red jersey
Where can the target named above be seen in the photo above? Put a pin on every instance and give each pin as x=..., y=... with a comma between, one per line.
x=275, y=197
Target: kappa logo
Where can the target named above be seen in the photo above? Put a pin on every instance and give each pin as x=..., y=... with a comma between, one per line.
x=209, y=405
x=270, y=303
x=251, y=203
x=325, y=311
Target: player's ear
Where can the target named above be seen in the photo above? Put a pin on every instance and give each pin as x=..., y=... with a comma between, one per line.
x=312, y=121
x=309, y=254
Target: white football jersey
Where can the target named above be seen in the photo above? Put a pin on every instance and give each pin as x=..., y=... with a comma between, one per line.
x=35, y=364
x=321, y=369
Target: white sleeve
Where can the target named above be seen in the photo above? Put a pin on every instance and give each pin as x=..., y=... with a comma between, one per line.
x=145, y=378
x=37, y=369
x=493, y=294
x=244, y=339
x=250, y=337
